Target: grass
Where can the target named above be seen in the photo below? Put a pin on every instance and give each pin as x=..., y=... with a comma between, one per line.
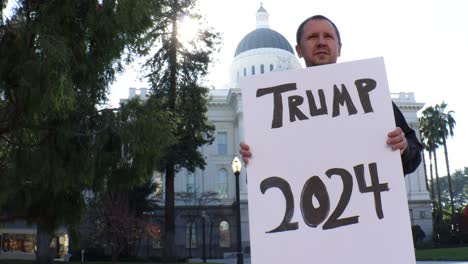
x=454, y=254
x=92, y=262
x=459, y=253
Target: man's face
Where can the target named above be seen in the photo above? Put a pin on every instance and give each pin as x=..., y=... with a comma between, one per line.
x=319, y=43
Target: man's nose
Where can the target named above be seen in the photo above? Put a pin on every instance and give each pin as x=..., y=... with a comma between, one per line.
x=321, y=40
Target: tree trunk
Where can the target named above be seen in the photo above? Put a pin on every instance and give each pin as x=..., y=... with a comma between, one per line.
x=43, y=253
x=169, y=234
x=115, y=256
x=190, y=239
x=211, y=237
x=425, y=170
x=449, y=179
x=169, y=246
x=435, y=216
x=439, y=203
x=431, y=173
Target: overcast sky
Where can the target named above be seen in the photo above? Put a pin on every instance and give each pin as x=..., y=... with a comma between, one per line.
x=424, y=44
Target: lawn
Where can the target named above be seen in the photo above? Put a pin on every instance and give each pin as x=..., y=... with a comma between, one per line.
x=455, y=254
x=93, y=262
x=460, y=253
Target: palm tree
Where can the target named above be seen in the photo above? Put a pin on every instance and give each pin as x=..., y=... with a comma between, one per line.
x=428, y=147
x=446, y=123
x=431, y=140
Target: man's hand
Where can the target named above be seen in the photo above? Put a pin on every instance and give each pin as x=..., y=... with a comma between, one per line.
x=397, y=140
x=245, y=152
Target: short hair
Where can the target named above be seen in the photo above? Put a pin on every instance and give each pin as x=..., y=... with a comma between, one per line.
x=300, y=29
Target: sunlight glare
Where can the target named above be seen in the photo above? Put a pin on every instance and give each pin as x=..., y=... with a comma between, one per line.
x=188, y=29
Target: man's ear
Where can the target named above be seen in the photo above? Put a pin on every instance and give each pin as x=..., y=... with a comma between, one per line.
x=339, y=50
x=299, y=51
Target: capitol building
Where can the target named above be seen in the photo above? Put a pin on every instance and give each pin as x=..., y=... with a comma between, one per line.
x=261, y=51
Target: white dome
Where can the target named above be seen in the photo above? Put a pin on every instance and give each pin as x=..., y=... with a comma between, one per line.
x=262, y=51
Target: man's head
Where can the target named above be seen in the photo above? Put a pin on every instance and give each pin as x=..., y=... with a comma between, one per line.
x=318, y=41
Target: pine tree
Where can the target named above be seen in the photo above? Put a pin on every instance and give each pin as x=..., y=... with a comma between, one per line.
x=176, y=71
x=58, y=59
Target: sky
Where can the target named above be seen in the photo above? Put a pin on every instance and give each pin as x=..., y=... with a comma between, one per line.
x=424, y=44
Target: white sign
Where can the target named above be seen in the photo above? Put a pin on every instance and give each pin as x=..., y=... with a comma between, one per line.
x=323, y=185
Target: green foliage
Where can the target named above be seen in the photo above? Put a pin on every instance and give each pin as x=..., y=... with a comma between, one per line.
x=447, y=230
x=46, y=166
x=460, y=189
x=57, y=60
x=436, y=124
x=429, y=132
x=132, y=145
x=175, y=73
x=129, y=149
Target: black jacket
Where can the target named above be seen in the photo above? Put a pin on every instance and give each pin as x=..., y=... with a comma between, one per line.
x=411, y=158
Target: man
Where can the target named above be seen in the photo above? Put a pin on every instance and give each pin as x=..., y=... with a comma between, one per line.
x=319, y=43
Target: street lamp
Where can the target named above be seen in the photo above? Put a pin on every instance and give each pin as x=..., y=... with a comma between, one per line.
x=236, y=168
x=203, y=215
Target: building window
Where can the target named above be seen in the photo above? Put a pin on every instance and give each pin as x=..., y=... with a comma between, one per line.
x=253, y=70
x=262, y=69
x=222, y=184
x=245, y=72
x=224, y=236
x=156, y=235
x=422, y=214
x=191, y=235
x=271, y=67
x=19, y=243
x=191, y=185
x=221, y=138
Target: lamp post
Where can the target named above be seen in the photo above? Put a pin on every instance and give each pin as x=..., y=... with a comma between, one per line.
x=236, y=168
x=203, y=215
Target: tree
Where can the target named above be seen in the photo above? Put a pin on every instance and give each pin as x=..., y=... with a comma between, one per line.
x=451, y=230
x=430, y=139
x=116, y=225
x=57, y=61
x=428, y=146
x=459, y=188
x=446, y=123
x=437, y=124
x=132, y=147
x=144, y=203
x=175, y=72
